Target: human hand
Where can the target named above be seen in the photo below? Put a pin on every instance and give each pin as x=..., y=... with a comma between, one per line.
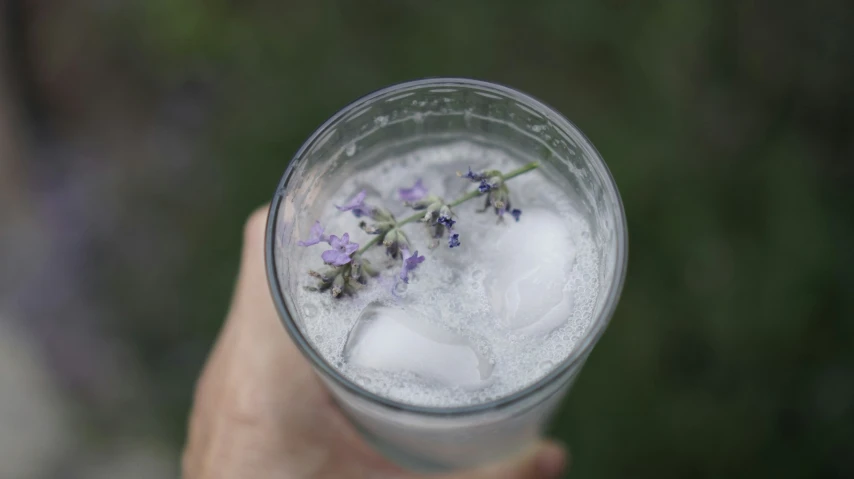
x=260, y=412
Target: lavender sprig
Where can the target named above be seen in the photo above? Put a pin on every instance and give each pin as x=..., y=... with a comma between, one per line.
x=468, y=196
x=346, y=268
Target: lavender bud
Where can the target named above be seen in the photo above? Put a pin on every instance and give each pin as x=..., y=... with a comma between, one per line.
x=392, y=242
x=435, y=231
x=370, y=229
x=367, y=268
x=499, y=198
x=378, y=228
x=390, y=238
x=338, y=286
x=352, y=287
x=324, y=278
x=429, y=215
x=422, y=203
x=382, y=215
x=326, y=275
x=356, y=268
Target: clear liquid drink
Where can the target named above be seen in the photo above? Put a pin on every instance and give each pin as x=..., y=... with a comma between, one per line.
x=457, y=358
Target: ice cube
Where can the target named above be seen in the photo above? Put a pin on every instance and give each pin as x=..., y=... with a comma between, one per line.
x=529, y=289
x=392, y=340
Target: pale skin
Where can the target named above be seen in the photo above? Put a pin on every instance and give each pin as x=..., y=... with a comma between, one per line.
x=260, y=411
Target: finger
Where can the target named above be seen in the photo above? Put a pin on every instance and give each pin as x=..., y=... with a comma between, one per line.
x=547, y=461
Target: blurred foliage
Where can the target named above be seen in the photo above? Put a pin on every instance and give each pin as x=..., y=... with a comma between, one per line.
x=728, y=125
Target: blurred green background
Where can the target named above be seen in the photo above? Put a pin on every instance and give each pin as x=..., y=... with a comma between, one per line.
x=728, y=125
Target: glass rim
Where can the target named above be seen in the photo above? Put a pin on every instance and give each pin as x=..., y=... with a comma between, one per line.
x=575, y=357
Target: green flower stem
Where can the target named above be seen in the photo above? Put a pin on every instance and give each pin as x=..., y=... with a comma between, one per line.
x=473, y=194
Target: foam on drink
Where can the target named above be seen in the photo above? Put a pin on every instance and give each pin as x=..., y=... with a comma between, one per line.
x=476, y=322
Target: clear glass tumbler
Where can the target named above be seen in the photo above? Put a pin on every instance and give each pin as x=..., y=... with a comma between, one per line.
x=419, y=113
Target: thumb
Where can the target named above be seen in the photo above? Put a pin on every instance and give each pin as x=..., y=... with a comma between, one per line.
x=547, y=461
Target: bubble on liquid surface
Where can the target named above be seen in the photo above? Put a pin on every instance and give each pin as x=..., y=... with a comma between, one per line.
x=392, y=340
x=546, y=366
x=400, y=288
x=309, y=310
x=529, y=291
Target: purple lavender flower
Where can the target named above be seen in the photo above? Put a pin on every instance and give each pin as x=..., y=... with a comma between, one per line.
x=410, y=262
x=445, y=217
x=341, y=250
x=453, y=239
x=484, y=186
x=417, y=192
x=315, y=235
x=446, y=221
x=472, y=175
x=357, y=205
x=516, y=213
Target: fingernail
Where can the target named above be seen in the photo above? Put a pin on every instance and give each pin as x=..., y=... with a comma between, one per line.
x=551, y=462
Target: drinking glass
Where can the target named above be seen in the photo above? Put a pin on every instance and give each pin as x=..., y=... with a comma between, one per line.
x=430, y=112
